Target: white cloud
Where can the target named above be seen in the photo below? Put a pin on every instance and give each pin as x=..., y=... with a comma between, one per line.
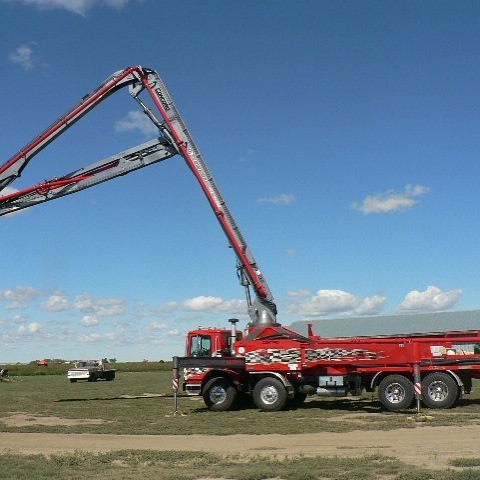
x=97, y=337
x=175, y=332
x=18, y=297
x=90, y=321
x=233, y=306
x=19, y=319
x=326, y=302
x=167, y=307
x=158, y=311
x=203, y=303
x=136, y=120
x=391, y=200
x=370, y=305
x=165, y=329
x=56, y=303
x=282, y=199
x=302, y=292
x=159, y=326
x=214, y=304
x=23, y=56
x=106, y=307
x=29, y=329
x=20, y=293
x=16, y=305
x=80, y=7
x=433, y=299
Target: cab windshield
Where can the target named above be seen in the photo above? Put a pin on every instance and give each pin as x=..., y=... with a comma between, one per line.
x=201, y=346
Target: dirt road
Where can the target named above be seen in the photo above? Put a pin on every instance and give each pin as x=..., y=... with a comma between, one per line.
x=422, y=445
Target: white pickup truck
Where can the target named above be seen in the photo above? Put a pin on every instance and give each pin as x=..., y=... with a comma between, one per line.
x=90, y=370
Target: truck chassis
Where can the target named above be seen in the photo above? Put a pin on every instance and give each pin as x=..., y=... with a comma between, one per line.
x=279, y=368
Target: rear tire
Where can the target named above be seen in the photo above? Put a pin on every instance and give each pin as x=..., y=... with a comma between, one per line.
x=439, y=390
x=396, y=393
x=270, y=395
x=219, y=395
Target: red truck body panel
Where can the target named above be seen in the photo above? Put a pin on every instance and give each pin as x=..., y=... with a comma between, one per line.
x=283, y=353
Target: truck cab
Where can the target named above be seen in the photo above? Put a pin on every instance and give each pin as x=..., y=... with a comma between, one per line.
x=209, y=362
x=210, y=342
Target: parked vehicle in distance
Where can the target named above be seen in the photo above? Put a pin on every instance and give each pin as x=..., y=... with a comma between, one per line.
x=90, y=370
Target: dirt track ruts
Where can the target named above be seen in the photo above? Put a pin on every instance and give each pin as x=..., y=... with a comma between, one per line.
x=421, y=445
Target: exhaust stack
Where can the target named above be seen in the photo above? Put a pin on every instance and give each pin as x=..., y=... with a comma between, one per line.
x=233, y=335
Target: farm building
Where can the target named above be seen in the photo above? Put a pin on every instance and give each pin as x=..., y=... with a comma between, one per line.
x=391, y=324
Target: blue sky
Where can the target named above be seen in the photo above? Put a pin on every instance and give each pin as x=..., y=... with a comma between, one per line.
x=343, y=135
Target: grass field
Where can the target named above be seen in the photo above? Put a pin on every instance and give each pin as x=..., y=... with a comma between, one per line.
x=140, y=402
x=147, y=465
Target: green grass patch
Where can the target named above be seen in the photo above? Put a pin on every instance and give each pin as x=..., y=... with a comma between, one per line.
x=466, y=462
x=16, y=370
x=142, y=403
x=193, y=465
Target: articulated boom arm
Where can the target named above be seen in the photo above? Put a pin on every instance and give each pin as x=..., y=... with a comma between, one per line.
x=174, y=138
x=14, y=166
x=262, y=310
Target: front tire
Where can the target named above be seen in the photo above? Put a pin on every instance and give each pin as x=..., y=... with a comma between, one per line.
x=439, y=390
x=396, y=393
x=219, y=395
x=270, y=395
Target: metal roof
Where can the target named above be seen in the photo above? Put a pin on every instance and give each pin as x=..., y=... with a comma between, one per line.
x=400, y=324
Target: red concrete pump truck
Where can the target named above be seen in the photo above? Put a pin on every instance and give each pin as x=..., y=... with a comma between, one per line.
x=276, y=366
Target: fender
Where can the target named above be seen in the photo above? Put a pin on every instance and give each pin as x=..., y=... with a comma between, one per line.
x=373, y=383
x=457, y=379
x=229, y=374
x=286, y=383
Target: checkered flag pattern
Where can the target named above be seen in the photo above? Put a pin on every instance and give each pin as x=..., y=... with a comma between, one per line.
x=338, y=354
x=273, y=356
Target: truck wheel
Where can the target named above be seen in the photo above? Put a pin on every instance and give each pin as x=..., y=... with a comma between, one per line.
x=219, y=394
x=439, y=390
x=396, y=393
x=270, y=395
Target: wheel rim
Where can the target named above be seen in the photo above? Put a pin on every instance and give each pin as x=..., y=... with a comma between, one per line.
x=269, y=395
x=395, y=393
x=217, y=394
x=437, y=391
